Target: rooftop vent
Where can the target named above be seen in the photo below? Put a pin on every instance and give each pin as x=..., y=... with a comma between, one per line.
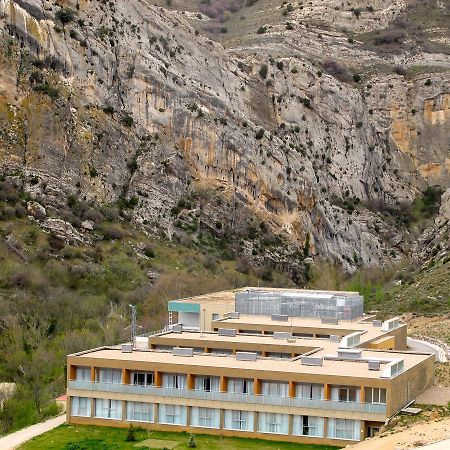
x=227, y=332
x=349, y=354
x=393, y=368
x=374, y=365
x=183, y=351
x=390, y=324
x=282, y=335
x=127, y=348
x=246, y=356
x=311, y=361
x=329, y=320
x=177, y=328
x=234, y=315
x=351, y=340
x=335, y=338
x=377, y=323
x=280, y=317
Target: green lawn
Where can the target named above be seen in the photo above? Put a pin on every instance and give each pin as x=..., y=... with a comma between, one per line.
x=80, y=437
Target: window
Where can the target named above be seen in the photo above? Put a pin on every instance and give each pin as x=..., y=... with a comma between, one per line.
x=238, y=420
x=273, y=423
x=174, y=381
x=205, y=417
x=240, y=386
x=215, y=316
x=83, y=373
x=142, y=378
x=172, y=414
x=344, y=429
x=108, y=409
x=309, y=391
x=375, y=395
x=140, y=412
x=207, y=384
x=80, y=406
x=347, y=395
x=109, y=375
x=307, y=426
x=275, y=388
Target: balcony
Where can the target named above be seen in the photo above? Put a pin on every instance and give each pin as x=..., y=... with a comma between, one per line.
x=230, y=397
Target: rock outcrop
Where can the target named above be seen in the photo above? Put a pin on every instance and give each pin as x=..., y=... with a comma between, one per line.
x=127, y=100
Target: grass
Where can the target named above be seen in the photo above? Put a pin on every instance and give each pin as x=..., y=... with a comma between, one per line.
x=83, y=437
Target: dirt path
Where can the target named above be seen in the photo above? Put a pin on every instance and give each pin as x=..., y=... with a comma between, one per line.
x=13, y=440
x=416, y=436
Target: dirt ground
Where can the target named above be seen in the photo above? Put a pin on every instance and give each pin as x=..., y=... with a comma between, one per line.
x=418, y=435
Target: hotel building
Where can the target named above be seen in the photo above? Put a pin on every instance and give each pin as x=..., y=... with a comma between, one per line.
x=213, y=370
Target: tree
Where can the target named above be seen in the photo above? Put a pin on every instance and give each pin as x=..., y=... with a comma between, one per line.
x=191, y=442
x=131, y=435
x=65, y=15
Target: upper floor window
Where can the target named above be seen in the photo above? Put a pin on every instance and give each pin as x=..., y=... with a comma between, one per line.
x=240, y=386
x=275, y=388
x=109, y=375
x=83, y=373
x=345, y=393
x=309, y=391
x=215, y=316
x=142, y=378
x=174, y=381
x=207, y=384
x=375, y=395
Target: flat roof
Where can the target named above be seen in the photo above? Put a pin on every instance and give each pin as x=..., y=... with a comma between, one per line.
x=348, y=368
x=228, y=295
x=189, y=337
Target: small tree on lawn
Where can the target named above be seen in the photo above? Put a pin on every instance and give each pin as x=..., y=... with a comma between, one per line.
x=191, y=442
x=131, y=435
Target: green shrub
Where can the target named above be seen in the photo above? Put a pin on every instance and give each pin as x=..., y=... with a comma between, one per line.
x=260, y=133
x=263, y=71
x=45, y=88
x=65, y=15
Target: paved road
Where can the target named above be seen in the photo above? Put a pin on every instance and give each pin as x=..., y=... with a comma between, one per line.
x=422, y=346
x=13, y=440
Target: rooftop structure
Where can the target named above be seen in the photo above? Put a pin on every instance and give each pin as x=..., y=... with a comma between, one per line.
x=301, y=379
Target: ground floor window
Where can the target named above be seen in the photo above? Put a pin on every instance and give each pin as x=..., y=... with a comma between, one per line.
x=108, y=409
x=140, y=412
x=273, y=423
x=307, y=426
x=344, y=429
x=80, y=406
x=238, y=420
x=173, y=414
x=205, y=417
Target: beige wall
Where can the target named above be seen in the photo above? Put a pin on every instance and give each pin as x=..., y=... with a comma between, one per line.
x=410, y=384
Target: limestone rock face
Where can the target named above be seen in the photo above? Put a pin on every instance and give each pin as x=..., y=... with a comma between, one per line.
x=146, y=107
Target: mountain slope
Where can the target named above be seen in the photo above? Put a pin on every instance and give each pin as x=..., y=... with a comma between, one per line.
x=298, y=129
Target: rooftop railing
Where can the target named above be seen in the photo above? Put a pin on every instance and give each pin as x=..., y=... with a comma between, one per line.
x=297, y=402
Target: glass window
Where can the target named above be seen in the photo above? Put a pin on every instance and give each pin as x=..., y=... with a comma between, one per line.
x=344, y=429
x=83, y=373
x=307, y=426
x=347, y=394
x=174, y=381
x=142, y=378
x=140, y=411
x=309, y=391
x=275, y=388
x=375, y=395
x=108, y=409
x=109, y=375
x=238, y=420
x=80, y=406
x=240, y=386
x=207, y=384
x=273, y=423
x=205, y=417
x=172, y=414
x=215, y=316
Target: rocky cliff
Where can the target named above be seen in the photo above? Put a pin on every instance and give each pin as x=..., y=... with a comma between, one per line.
x=312, y=123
